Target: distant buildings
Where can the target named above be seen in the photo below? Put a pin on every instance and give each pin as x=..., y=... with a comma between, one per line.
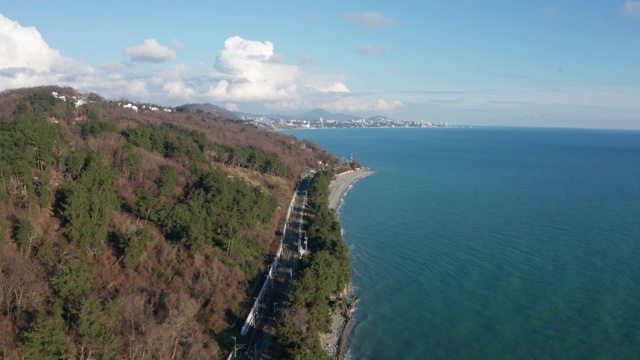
x=144, y=107
x=77, y=100
x=267, y=123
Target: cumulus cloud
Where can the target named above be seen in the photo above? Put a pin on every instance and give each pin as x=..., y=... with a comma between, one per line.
x=631, y=8
x=27, y=60
x=150, y=51
x=370, y=20
x=247, y=74
x=178, y=90
x=370, y=50
x=252, y=71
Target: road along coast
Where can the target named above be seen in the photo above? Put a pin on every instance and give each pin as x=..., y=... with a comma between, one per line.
x=336, y=342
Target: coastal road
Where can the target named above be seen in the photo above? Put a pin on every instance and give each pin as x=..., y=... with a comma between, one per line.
x=261, y=339
x=259, y=343
x=340, y=185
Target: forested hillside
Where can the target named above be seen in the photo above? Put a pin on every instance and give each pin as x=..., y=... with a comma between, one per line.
x=133, y=235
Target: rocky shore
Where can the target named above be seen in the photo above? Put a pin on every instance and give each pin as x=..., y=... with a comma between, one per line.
x=331, y=341
x=336, y=342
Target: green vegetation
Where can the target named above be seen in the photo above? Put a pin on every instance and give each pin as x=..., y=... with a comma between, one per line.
x=92, y=128
x=86, y=207
x=215, y=211
x=175, y=142
x=46, y=340
x=326, y=272
x=134, y=235
x=28, y=151
x=133, y=246
x=167, y=180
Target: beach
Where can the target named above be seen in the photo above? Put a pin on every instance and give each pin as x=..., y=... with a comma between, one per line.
x=336, y=342
x=341, y=183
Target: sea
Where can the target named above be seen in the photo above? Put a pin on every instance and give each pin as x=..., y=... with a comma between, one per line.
x=492, y=242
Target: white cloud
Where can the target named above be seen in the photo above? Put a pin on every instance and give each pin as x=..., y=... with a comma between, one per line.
x=370, y=50
x=231, y=107
x=370, y=20
x=178, y=90
x=137, y=89
x=150, y=51
x=252, y=71
x=631, y=8
x=306, y=59
x=248, y=74
x=358, y=106
x=27, y=60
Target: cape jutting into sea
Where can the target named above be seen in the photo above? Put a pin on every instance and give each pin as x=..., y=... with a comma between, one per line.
x=493, y=243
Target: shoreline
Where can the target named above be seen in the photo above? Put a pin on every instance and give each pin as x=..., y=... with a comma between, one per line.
x=336, y=342
x=341, y=184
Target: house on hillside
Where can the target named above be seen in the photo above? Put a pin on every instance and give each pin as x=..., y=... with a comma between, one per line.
x=130, y=106
x=58, y=96
x=81, y=118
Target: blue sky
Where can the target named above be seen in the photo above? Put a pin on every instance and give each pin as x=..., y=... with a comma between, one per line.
x=564, y=63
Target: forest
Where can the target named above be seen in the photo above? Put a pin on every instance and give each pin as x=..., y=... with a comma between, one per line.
x=130, y=235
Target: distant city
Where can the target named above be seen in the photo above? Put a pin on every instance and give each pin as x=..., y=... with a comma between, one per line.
x=314, y=119
x=270, y=123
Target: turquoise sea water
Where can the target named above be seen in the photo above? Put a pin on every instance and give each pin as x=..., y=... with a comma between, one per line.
x=493, y=243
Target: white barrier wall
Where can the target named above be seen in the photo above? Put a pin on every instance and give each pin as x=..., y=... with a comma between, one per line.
x=274, y=267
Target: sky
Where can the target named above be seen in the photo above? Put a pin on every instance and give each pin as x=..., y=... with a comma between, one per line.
x=563, y=63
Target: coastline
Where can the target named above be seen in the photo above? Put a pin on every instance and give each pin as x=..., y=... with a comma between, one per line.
x=336, y=343
x=341, y=184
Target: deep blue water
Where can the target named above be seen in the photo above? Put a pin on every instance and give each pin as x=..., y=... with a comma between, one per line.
x=493, y=243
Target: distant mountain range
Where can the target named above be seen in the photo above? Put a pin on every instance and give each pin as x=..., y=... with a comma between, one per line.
x=311, y=116
x=317, y=114
x=380, y=118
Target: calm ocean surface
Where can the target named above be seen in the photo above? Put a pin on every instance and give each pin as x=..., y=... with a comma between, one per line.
x=493, y=243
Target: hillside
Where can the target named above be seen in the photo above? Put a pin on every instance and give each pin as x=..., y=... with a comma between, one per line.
x=129, y=234
x=210, y=109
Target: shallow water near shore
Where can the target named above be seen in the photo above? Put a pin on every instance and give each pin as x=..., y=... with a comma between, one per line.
x=493, y=242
